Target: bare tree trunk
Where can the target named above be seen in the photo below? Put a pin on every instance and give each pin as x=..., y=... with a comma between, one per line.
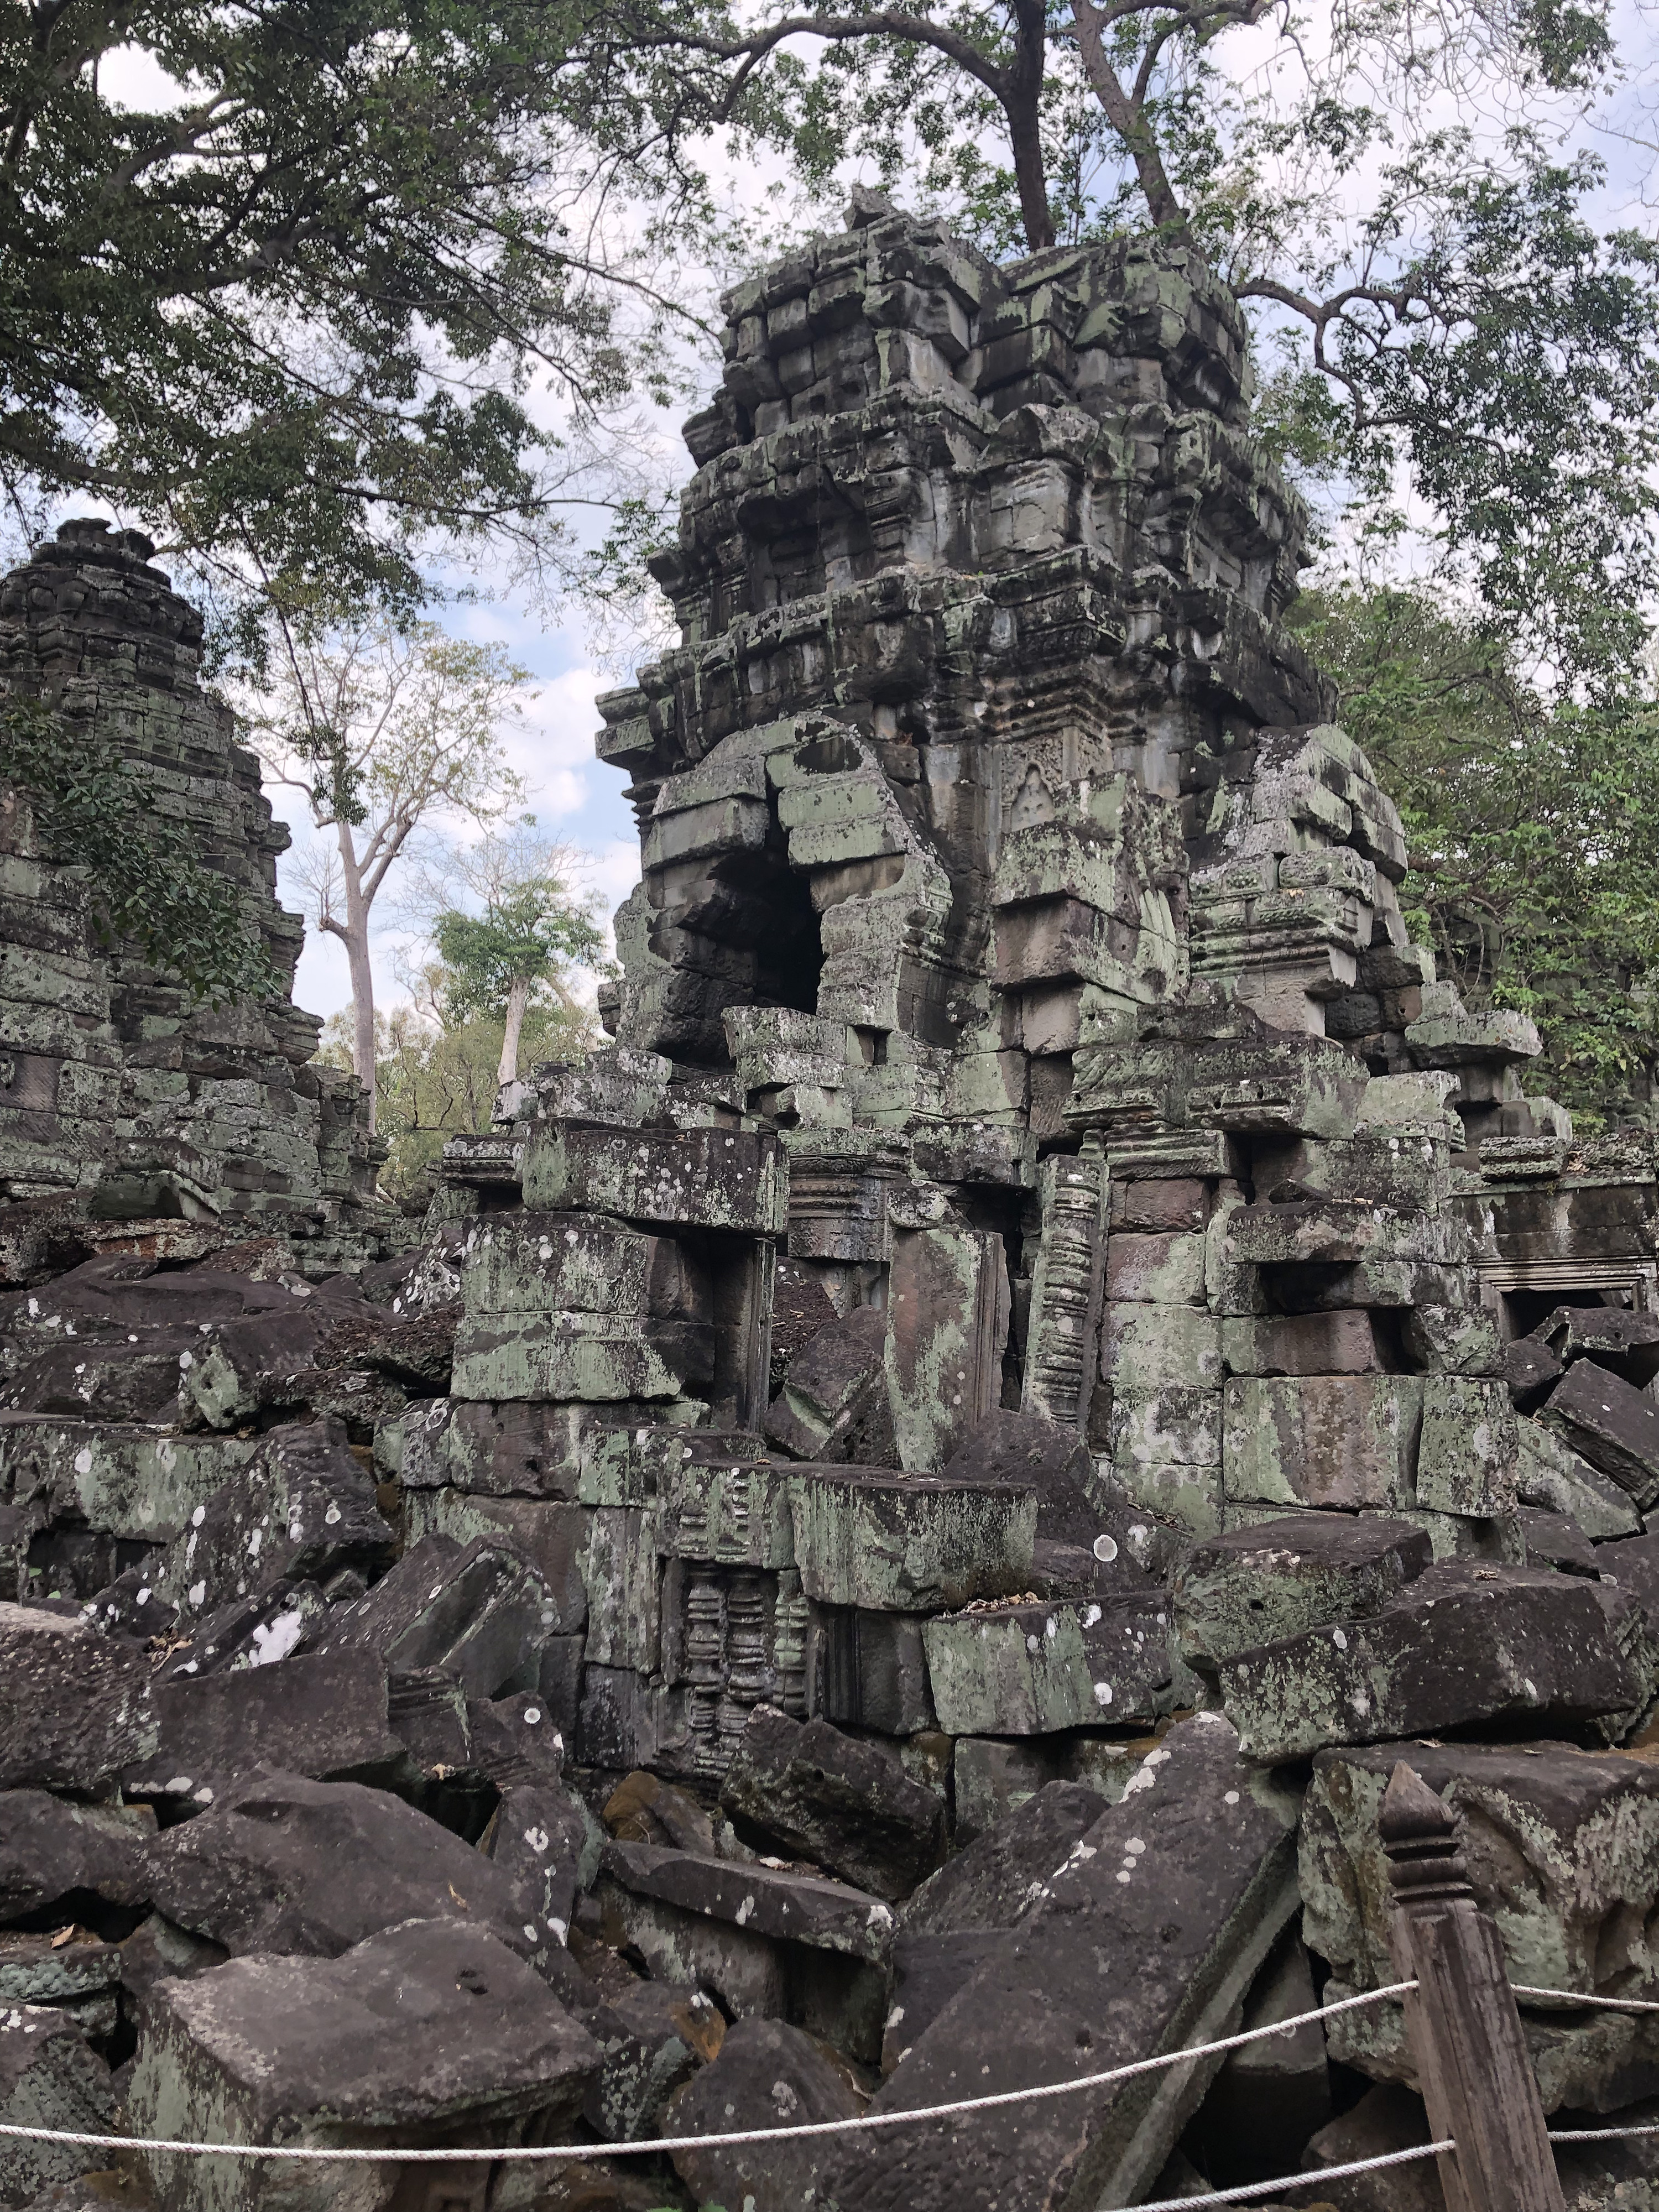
x=518, y=1000
x=354, y=933
x=1022, y=104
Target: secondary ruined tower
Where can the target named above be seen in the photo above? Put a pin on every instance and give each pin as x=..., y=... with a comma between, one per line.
x=116, y=1093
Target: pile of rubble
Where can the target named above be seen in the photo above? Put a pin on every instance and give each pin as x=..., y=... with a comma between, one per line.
x=883, y=1546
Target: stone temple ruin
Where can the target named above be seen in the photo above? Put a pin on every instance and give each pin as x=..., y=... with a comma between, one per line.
x=885, y=1539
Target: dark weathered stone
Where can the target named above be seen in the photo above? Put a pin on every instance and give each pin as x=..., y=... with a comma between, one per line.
x=1252, y=1586
x=768, y=2076
x=75, y=1707
x=251, y=1631
x=51, y=1849
x=325, y=1717
x=1271, y=2095
x=302, y=1510
x=48, y=2078
x=1034, y=1454
x=1626, y=1344
x=279, y=1863
x=1555, y=1540
x=1532, y=1370
x=536, y=1837
x=831, y=1798
x=1610, y=1423
x=766, y=1900
x=830, y=1382
x=483, y=1614
x=950, y=1929
x=1148, y=1937
x=294, y=2049
x=1462, y=1644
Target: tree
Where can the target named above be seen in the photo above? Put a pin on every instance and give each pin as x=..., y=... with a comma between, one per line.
x=291, y=315
x=385, y=731
x=1531, y=826
x=1463, y=321
x=438, y=1079
x=498, y=962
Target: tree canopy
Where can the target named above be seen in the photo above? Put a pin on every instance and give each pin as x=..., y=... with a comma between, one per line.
x=293, y=314
x=1531, y=826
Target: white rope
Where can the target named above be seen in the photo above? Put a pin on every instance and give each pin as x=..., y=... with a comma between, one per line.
x=1600, y=2134
x=1579, y=1997
x=1296, y=2180
x=860, y=2122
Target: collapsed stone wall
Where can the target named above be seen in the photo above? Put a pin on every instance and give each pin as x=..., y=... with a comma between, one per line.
x=121, y=1099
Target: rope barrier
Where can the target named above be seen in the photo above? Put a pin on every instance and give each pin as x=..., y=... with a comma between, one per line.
x=1318, y=2174
x=1580, y=1997
x=1600, y=2134
x=859, y=2123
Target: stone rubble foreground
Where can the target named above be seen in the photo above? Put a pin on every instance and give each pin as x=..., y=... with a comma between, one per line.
x=884, y=1542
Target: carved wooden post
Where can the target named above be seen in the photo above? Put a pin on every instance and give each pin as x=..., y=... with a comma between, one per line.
x=1464, y=2031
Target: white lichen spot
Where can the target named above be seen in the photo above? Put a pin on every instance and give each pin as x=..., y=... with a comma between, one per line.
x=1103, y=1693
x=1339, y=1639
x=83, y=1460
x=196, y=1594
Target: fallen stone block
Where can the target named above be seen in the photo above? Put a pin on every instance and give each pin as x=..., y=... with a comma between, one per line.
x=106, y=1382
x=732, y=1511
x=538, y=1837
x=325, y=1715
x=1033, y=1454
x=1562, y=1850
x=69, y=1970
x=992, y=1777
x=830, y=1798
x=580, y=1355
x=550, y=1533
x=1555, y=1540
x=644, y=1809
x=1626, y=1344
x=771, y=1901
x=279, y=1863
x=767, y=1940
x=1530, y=1372
x=222, y=1383
x=1147, y=1939
x=1556, y=1479
x=950, y=1927
x=1611, y=1424
x=295, y=2051
x=908, y=1543
x=75, y=1707
x=767, y=2074
x=50, y=1848
x=666, y=2031
x=131, y=1482
x=48, y=2078
x=830, y=1383
x=1461, y=1645
x=1031, y=1670
x=250, y=1632
x=303, y=1509
x=481, y=1613
x=1389, y=2118
x=1252, y=1586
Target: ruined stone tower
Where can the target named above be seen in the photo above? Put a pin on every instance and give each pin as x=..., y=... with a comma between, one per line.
x=1018, y=1016
x=117, y=1092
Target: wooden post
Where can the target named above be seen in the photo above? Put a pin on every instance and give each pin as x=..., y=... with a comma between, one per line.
x=1464, y=2031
